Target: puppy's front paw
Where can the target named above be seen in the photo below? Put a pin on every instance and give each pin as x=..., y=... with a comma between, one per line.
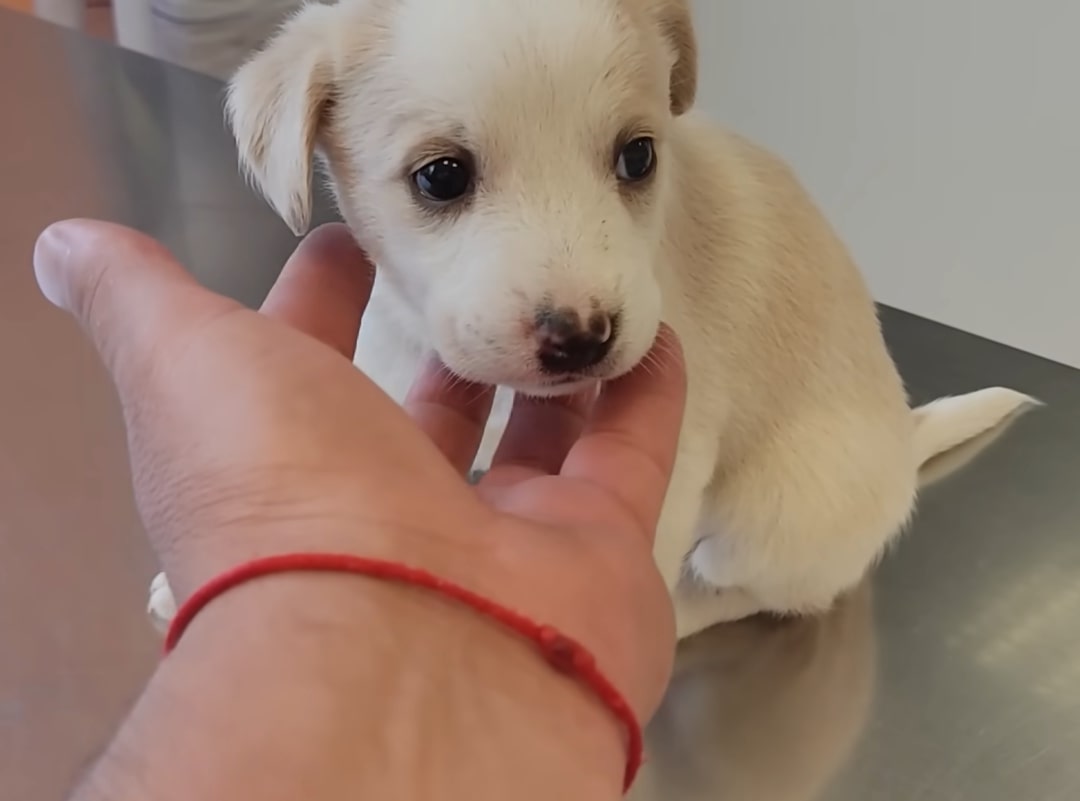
x=162, y=605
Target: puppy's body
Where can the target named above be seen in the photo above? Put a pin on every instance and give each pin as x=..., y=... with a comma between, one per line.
x=799, y=457
x=797, y=461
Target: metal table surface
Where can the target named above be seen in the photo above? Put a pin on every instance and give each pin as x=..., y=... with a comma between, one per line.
x=954, y=674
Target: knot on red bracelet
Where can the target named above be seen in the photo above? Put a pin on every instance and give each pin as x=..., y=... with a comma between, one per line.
x=563, y=654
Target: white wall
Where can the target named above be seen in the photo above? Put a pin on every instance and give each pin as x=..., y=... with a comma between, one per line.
x=942, y=137
x=134, y=25
x=61, y=12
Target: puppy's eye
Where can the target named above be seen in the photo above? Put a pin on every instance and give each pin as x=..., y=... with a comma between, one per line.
x=637, y=160
x=443, y=180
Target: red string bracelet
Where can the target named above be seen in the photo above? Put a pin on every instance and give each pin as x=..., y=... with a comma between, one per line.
x=563, y=653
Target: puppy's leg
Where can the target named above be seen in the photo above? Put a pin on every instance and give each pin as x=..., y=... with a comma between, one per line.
x=162, y=605
x=496, y=425
x=800, y=523
x=702, y=602
x=794, y=570
x=386, y=350
x=698, y=607
x=682, y=509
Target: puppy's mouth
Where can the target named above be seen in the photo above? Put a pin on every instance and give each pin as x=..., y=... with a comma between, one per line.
x=555, y=386
x=538, y=384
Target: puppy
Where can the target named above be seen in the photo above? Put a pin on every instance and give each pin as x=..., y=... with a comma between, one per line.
x=539, y=196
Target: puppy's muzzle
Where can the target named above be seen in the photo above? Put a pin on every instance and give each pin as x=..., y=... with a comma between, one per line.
x=565, y=343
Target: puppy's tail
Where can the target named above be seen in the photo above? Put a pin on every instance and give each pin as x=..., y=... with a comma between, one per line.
x=946, y=423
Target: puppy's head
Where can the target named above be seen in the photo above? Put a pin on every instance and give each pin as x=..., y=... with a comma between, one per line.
x=503, y=161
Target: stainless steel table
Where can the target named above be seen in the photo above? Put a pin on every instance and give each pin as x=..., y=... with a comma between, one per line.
x=954, y=674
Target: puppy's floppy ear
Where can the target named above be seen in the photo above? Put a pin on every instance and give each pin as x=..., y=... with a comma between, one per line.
x=676, y=24
x=275, y=104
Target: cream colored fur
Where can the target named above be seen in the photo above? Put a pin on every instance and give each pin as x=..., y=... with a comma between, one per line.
x=799, y=457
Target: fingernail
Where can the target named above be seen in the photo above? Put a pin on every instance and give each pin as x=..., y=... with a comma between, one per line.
x=51, y=252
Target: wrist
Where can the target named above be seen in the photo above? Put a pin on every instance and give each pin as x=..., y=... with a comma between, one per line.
x=381, y=690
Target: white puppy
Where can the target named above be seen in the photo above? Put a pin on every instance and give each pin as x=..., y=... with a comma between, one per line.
x=538, y=197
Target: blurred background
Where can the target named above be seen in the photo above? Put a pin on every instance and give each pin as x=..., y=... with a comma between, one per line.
x=209, y=36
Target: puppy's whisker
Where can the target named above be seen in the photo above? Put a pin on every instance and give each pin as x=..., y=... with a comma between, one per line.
x=478, y=396
x=650, y=364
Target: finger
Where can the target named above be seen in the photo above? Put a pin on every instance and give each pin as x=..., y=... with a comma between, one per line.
x=629, y=445
x=542, y=430
x=452, y=412
x=126, y=290
x=324, y=288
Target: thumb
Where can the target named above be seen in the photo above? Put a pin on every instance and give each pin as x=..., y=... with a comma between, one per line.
x=126, y=290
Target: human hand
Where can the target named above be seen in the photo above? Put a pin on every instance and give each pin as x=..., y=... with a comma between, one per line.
x=252, y=434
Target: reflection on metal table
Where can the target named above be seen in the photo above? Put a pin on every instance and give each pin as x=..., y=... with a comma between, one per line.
x=953, y=674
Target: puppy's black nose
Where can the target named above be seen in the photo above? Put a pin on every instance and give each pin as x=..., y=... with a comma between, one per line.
x=566, y=344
